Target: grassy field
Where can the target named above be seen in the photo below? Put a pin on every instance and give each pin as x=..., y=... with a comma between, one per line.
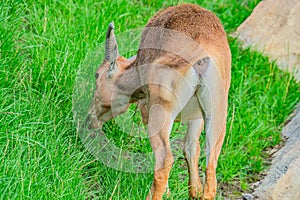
x=42, y=45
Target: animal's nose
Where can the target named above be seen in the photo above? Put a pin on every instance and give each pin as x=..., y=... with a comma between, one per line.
x=91, y=126
x=92, y=122
x=87, y=122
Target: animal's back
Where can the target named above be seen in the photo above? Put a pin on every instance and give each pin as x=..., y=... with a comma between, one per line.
x=191, y=20
x=198, y=25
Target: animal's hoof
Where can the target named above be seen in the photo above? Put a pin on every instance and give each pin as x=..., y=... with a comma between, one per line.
x=208, y=197
x=195, y=194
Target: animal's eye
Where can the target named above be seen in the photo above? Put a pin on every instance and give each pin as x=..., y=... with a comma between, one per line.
x=96, y=75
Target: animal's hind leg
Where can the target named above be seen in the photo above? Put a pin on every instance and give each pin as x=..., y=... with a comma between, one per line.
x=192, y=153
x=213, y=101
x=214, y=143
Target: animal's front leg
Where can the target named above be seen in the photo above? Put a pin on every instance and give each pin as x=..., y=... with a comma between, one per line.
x=143, y=106
x=160, y=125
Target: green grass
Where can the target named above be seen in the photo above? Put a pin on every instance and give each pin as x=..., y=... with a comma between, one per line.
x=42, y=45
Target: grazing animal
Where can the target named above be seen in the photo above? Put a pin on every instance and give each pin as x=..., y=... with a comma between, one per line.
x=182, y=68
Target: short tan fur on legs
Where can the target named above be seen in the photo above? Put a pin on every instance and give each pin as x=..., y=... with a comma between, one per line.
x=159, y=131
x=213, y=101
x=192, y=153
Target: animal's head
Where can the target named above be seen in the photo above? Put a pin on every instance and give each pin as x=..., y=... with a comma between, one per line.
x=106, y=76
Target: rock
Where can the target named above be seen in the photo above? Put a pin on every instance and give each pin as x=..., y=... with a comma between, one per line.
x=247, y=196
x=292, y=126
x=255, y=185
x=283, y=179
x=274, y=29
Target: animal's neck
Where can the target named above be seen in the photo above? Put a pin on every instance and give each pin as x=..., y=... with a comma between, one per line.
x=133, y=83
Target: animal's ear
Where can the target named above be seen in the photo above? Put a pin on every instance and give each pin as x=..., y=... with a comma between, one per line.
x=111, y=48
x=124, y=63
